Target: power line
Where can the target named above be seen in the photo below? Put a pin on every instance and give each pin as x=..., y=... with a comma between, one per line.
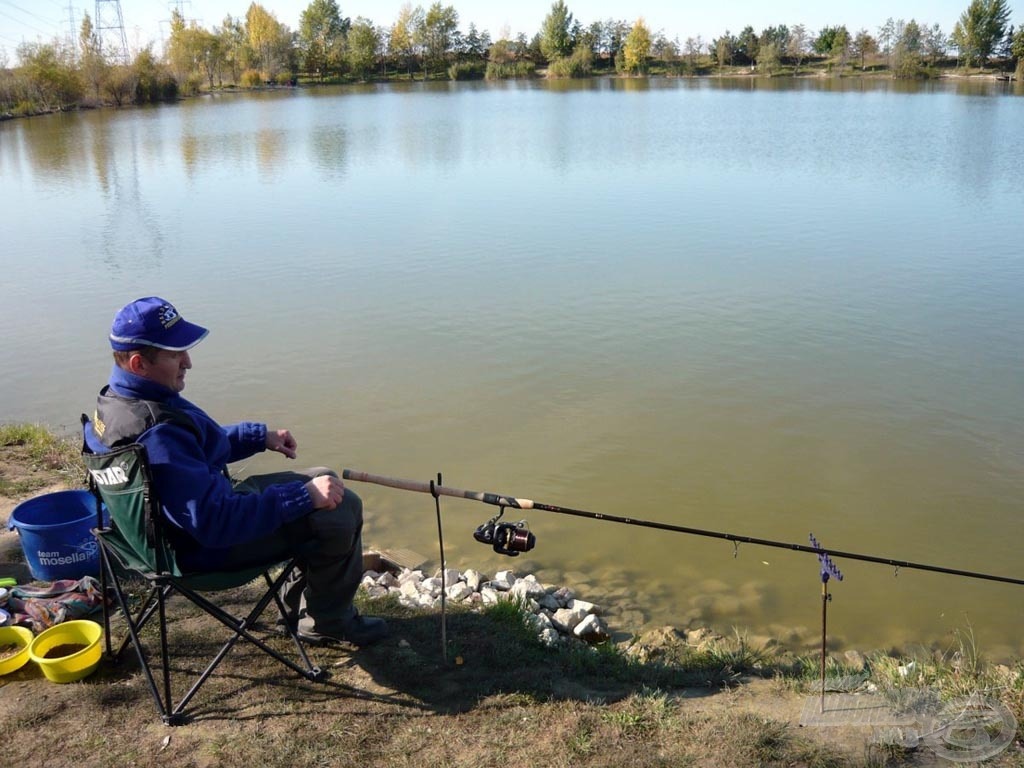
x=23, y=23
x=28, y=13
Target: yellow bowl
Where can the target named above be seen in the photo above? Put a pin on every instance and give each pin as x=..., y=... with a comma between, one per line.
x=21, y=637
x=74, y=666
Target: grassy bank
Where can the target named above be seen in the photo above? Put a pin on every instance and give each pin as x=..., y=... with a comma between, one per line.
x=494, y=696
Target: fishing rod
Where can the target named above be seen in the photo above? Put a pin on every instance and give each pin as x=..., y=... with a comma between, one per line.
x=512, y=538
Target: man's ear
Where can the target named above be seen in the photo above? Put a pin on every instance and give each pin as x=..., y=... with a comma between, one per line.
x=137, y=364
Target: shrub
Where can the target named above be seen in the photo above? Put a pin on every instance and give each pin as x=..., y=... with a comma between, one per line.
x=152, y=80
x=284, y=78
x=192, y=85
x=251, y=78
x=510, y=70
x=467, y=70
x=579, y=64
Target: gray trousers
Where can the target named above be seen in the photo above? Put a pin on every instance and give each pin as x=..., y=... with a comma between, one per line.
x=327, y=545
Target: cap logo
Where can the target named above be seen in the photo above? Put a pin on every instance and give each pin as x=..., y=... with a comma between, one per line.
x=168, y=315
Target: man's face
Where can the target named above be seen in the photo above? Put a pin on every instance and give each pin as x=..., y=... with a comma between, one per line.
x=168, y=368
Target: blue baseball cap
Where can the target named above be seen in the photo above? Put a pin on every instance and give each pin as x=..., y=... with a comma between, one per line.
x=153, y=322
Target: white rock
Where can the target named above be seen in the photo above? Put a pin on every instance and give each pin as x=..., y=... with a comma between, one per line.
x=473, y=578
x=563, y=595
x=375, y=590
x=527, y=588
x=592, y=629
x=387, y=580
x=431, y=586
x=566, y=619
x=410, y=589
x=489, y=595
x=541, y=621
x=549, y=636
x=368, y=580
x=459, y=591
x=373, y=575
x=413, y=576
x=550, y=602
x=451, y=576
x=583, y=605
x=503, y=580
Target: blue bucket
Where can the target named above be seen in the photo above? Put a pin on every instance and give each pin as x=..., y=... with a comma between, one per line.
x=55, y=533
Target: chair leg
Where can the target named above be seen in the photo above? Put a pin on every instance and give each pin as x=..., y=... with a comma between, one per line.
x=155, y=604
x=134, y=627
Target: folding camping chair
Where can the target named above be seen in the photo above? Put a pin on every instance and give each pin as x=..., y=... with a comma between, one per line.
x=132, y=544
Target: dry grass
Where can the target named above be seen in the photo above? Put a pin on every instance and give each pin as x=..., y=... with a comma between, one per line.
x=510, y=702
x=32, y=457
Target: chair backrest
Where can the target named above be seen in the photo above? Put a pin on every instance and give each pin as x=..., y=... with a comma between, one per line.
x=121, y=480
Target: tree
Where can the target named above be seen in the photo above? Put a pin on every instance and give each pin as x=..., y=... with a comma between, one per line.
x=234, y=46
x=863, y=45
x=53, y=80
x=270, y=40
x=613, y=36
x=322, y=33
x=725, y=49
x=777, y=36
x=934, y=44
x=907, y=54
x=475, y=43
x=768, y=58
x=364, y=42
x=825, y=40
x=437, y=34
x=555, y=40
x=886, y=39
x=748, y=45
x=841, y=46
x=667, y=51
x=980, y=29
x=797, y=46
x=185, y=52
x=1017, y=51
x=90, y=55
x=692, y=49
x=402, y=40
x=636, y=52
x=211, y=56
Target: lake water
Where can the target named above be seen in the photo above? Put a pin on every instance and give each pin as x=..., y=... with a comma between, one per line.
x=759, y=307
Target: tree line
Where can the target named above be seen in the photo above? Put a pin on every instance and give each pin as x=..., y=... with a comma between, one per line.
x=257, y=49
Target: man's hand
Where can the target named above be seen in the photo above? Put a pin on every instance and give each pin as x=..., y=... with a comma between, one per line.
x=326, y=491
x=281, y=440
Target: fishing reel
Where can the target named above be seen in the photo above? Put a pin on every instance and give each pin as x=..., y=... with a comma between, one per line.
x=506, y=538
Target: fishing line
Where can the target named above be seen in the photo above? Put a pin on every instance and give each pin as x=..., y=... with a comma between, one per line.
x=513, y=502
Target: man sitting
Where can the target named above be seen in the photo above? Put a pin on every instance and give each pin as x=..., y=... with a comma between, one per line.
x=212, y=522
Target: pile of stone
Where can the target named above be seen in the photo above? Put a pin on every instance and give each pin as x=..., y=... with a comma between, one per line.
x=553, y=611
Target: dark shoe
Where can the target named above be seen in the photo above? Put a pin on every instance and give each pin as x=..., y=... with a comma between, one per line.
x=359, y=630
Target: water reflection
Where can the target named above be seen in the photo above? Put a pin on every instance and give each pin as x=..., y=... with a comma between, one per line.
x=329, y=150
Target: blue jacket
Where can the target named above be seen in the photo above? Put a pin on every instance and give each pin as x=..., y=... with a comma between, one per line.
x=188, y=475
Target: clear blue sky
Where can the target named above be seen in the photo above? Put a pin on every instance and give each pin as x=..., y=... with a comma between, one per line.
x=42, y=20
